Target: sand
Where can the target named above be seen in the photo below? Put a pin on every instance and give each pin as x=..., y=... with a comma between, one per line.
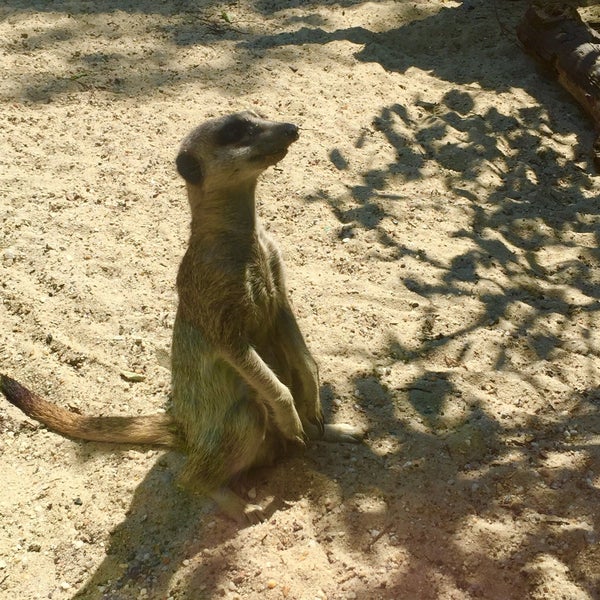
x=439, y=219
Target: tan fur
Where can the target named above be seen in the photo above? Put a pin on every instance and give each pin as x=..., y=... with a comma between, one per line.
x=244, y=383
x=157, y=429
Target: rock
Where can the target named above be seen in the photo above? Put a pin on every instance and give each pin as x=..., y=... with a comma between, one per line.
x=132, y=376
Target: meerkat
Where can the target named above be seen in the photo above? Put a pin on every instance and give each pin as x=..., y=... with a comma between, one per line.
x=244, y=383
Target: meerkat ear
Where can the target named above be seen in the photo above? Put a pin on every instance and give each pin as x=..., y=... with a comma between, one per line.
x=189, y=167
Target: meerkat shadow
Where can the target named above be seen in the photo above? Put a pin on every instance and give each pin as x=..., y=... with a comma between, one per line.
x=164, y=526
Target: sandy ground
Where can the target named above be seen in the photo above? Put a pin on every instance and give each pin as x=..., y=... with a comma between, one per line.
x=440, y=220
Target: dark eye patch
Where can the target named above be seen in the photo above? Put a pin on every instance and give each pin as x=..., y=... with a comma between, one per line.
x=235, y=131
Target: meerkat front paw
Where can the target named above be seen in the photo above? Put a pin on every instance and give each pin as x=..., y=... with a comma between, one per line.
x=291, y=427
x=287, y=419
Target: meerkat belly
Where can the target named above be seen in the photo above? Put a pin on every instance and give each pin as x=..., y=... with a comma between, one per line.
x=212, y=404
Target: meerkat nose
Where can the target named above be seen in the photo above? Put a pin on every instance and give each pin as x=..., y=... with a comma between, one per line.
x=291, y=131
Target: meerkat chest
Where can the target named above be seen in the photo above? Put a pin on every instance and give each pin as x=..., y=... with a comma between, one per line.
x=264, y=282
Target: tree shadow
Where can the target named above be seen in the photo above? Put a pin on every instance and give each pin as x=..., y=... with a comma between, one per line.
x=465, y=504
x=113, y=69
x=441, y=468
x=428, y=480
x=97, y=56
x=526, y=200
x=449, y=45
x=440, y=479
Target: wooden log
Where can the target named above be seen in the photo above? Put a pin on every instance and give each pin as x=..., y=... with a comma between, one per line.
x=558, y=38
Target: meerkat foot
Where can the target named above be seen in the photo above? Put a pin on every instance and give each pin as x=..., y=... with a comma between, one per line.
x=236, y=508
x=343, y=433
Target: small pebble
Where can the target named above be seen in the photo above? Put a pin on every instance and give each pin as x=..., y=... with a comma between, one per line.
x=252, y=493
x=132, y=376
x=271, y=584
x=9, y=254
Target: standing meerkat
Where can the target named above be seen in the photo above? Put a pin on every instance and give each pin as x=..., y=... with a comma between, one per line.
x=244, y=383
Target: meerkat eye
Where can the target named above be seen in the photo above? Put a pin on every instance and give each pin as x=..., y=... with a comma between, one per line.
x=233, y=132
x=237, y=132
x=253, y=129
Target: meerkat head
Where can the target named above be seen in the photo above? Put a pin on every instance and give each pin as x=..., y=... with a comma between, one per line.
x=233, y=149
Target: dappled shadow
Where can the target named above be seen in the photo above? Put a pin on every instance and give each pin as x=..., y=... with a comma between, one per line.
x=472, y=500
x=462, y=502
x=466, y=499
x=97, y=53
x=521, y=246
x=527, y=203
x=439, y=474
x=264, y=7
x=109, y=25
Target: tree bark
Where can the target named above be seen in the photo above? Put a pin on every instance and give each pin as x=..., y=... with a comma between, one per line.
x=558, y=38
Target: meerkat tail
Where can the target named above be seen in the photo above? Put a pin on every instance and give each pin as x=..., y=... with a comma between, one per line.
x=156, y=429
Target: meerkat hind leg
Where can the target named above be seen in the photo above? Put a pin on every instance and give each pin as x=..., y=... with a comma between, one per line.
x=336, y=433
x=342, y=432
x=237, y=508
